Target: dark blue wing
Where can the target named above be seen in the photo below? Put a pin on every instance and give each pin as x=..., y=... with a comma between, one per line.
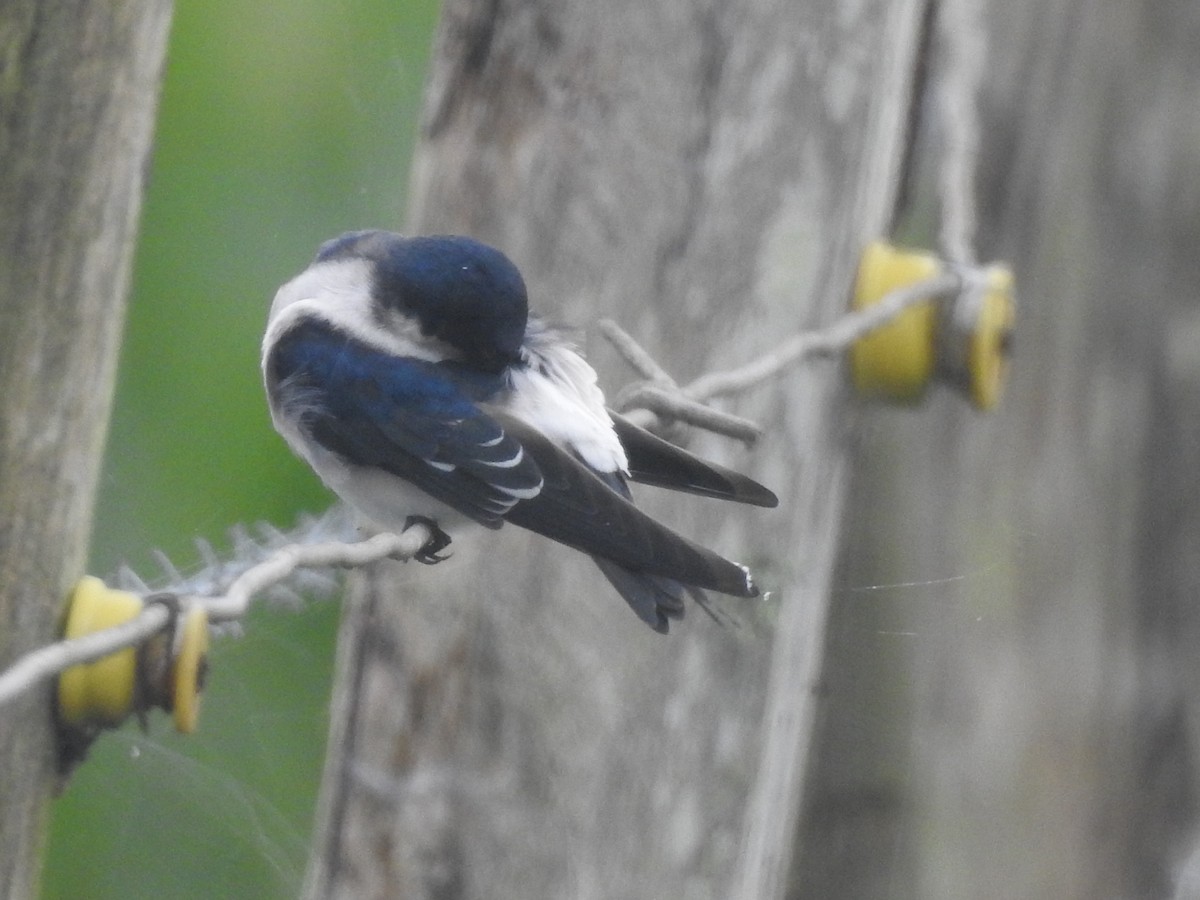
x=660, y=463
x=416, y=419
x=590, y=512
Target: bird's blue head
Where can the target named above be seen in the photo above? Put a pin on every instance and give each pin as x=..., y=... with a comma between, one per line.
x=460, y=291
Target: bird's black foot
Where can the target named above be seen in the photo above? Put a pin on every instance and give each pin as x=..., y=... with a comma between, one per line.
x=430, y=554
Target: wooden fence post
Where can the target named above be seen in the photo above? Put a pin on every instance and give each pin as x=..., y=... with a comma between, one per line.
x=80, y=88
x=1013, y=708
x=707, y=174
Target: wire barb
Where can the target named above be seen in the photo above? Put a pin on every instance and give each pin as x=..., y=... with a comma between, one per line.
x=297, y=563
x=269, y=571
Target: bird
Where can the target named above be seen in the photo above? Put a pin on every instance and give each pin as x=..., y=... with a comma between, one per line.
x=410, y=375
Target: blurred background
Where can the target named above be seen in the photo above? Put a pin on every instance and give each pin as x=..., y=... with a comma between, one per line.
x=1008, y=696
x=281, y=124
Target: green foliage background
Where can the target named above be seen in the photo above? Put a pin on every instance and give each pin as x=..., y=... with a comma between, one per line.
x=281, y=124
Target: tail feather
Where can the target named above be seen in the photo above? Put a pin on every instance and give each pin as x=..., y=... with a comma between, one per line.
x=591, y=511
x=662, y=464
x=655, y=599
x=651, y=566
x=658, y=600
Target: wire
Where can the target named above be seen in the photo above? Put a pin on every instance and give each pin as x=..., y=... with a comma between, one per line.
x=657, y=396
x=962, y=45
x=53, y=659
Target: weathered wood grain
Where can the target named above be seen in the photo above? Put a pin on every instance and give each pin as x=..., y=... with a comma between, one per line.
x=705, y=173
x=1016, y=717
x=78, y=89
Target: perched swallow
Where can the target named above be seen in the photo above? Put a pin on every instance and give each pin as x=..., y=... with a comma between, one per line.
x=408, y=373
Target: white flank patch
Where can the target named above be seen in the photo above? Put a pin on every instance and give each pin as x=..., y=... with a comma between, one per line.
x=557, y=394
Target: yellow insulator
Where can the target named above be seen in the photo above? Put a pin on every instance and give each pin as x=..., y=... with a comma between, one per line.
x=100, y=692
x=991, y=339
x=897, y=360
x=166, y=671
x=961, y=339
x=189, y=669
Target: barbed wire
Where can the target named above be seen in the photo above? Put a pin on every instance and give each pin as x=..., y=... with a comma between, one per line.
x=230, y=605
x=225, y=589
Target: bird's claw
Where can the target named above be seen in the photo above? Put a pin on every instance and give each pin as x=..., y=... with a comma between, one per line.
x=430, y=554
